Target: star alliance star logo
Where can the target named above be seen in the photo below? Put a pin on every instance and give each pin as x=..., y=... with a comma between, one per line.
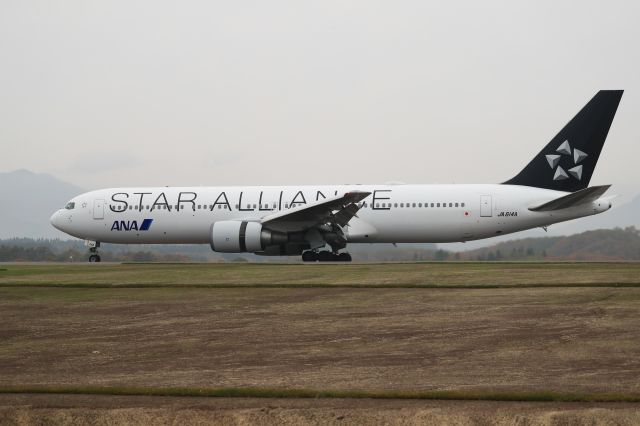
x=554, y=160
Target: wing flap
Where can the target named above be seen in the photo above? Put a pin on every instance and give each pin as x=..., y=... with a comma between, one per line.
x=577, y=198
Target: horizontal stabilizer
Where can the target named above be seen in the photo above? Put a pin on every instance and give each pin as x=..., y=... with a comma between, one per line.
x=577, y=198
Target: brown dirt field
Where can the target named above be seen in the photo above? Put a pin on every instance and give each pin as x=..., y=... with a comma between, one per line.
x=111, y=410
x=552, y=339
x=557, y=339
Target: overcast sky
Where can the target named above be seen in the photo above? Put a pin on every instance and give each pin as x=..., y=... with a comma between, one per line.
x=124, y=93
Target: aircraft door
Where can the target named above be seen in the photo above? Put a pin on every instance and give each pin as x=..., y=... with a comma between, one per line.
x=486, y=208
x=98, y=209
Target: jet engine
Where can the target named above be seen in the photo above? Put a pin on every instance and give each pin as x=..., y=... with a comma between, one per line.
x=235, y=236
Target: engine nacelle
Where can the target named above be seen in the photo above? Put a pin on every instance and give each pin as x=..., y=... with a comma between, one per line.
x=235, y=236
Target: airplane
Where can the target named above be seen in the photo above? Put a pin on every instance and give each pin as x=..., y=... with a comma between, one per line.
x=317, y=222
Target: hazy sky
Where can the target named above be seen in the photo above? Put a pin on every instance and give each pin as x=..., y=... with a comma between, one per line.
x=109, y=93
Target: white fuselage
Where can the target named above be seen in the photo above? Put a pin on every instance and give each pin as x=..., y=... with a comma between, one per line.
x=390, y=214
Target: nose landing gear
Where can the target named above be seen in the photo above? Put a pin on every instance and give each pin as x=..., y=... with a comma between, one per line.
x=94, y=256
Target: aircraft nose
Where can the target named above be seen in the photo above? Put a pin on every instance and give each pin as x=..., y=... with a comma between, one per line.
x=56, y=220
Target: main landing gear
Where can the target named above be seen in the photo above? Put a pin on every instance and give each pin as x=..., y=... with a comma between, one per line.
x=325, y=256
x=94, y=256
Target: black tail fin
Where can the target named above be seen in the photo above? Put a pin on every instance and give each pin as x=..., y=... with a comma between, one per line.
x=568, y=161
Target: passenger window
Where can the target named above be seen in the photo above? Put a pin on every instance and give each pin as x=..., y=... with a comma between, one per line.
x=456, y=204
x=462, y=204
x=438, y=205
x=414, y=204
x=419, y=204
x=130, y=207
x=401, y=204
x=450, y=204
x=431, y=204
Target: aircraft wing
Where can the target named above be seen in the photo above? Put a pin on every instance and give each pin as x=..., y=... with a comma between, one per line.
x=577, y=198
x=335, y=210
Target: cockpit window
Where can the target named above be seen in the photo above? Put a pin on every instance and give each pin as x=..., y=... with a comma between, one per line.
x=70, y=206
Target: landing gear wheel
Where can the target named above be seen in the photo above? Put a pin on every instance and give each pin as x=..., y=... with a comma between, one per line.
x=93, y=251
x=325, y=256
x=344, y=257
x=309, y=256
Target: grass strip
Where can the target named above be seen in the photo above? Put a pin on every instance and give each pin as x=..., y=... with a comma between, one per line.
x=318, y=285
x=533, y=396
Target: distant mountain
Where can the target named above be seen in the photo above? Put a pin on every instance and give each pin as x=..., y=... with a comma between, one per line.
x=27, y=201
x=601, y=244
x=619, y=216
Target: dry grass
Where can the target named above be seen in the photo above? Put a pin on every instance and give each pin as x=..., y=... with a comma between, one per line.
x=389, y=274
